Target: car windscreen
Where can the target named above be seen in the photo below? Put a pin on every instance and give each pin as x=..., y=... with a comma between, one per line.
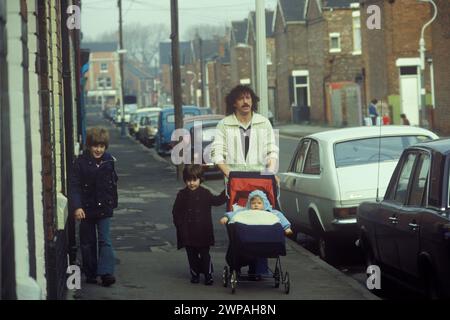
x=171, y=117
x=153, y=120
x=369, y=150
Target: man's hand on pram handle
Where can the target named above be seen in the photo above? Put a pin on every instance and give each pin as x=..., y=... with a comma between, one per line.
x=288, y=232
x=223, y=220
x=224, y=168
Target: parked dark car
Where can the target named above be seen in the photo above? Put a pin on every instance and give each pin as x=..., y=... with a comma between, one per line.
x=148, y=128
x=166, y=125
x=407, y=234
x=207, y=124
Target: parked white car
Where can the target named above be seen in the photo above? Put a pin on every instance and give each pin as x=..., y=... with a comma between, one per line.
x=332, y=172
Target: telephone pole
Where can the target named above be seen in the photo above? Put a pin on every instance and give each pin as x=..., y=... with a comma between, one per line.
x=176, y=77
x=261, y=59
x=120, y=51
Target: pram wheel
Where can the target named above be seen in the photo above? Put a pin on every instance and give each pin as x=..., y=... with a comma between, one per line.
x=234, y=280
x=287, y=283
x=276, y=276
x=225, y=276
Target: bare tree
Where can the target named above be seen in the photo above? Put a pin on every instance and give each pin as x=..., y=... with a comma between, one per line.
x=140, y=41
x=206, y=31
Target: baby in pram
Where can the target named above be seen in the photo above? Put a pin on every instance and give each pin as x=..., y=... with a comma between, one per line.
x=258, y=208
x=257, y=200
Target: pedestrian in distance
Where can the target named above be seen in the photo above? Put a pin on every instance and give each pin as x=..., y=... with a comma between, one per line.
x=192, y=218
x=404, y=119
x=386, y=119
x=92, y=198
x=373, y=114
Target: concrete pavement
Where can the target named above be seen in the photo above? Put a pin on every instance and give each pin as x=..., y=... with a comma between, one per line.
x=148, y=265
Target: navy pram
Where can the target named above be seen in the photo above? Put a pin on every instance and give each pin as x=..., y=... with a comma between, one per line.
x=253, y=234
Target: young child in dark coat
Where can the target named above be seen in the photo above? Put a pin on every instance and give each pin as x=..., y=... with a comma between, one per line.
x=92, y=198
x=193, y=221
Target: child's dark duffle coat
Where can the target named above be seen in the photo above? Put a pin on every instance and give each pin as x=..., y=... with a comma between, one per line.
x=93, y=186
x=192, y=217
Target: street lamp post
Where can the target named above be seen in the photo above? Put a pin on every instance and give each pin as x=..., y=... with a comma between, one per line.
x=422, y=62
x=123, y=133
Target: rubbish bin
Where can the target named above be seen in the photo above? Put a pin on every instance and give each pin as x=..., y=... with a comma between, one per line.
x=295, y=114
x=304, y=114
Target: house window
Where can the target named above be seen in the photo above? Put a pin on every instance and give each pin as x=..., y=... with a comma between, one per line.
x=335, y=42
x=103, y=67
x=104, y=83
x=100, y=83
x=356, y=32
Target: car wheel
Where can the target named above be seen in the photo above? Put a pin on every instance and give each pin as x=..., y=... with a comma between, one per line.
x=325, y=245
x=370, y=260
x=369, y=257
x=326, y=248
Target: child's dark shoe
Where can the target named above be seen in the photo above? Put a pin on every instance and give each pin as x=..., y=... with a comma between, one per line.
x=208, y=280
x=195, y=279
x=108, y=279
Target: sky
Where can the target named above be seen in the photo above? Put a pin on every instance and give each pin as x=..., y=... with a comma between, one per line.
x=99, y=16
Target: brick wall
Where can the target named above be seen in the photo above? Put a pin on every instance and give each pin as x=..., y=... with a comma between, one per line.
x=223, y=87
x=346, y=65
x=318, y=64
x=241, y=63
x=271, y=70
x=374, y=53
x=401, y=23
x=166, y=81
x=291, y=54
x=282, y=111
x=441, y=58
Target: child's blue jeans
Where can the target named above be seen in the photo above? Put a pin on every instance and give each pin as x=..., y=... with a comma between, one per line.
x=102, y=263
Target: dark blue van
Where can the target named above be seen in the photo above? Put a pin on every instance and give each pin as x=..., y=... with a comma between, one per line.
x=166, y=125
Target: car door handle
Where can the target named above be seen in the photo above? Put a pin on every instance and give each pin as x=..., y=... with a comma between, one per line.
x=394, y=220
x=413, y=226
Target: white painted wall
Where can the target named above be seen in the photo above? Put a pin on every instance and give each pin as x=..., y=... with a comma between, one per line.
x=36, y=151
x=26, y=287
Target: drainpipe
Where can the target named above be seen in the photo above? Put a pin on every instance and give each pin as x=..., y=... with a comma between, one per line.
x=422, y=64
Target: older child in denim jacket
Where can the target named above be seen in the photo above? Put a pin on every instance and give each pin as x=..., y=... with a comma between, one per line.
x=92, y=198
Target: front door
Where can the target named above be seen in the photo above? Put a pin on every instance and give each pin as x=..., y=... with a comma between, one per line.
x=409, y=93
